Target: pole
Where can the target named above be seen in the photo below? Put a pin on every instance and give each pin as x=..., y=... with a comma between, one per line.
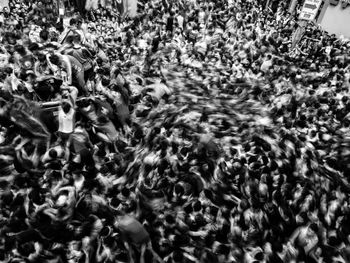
x=292, y=6
x=127, y=7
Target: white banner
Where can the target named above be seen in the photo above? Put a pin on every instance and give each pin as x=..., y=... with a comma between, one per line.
x=131, y=7
x=310, y=9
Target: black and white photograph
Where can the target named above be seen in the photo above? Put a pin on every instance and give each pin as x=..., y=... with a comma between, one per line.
x=174, y=131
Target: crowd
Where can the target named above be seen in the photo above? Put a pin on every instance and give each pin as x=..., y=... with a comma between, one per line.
x=198, y=131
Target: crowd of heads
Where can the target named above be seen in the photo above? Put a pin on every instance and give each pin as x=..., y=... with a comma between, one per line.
x=198, y=131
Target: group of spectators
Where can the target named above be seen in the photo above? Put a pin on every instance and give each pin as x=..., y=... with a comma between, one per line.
x=197, y=132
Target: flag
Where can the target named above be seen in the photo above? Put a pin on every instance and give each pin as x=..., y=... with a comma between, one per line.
x=29, y=124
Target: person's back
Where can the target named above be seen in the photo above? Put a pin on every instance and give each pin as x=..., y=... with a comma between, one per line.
x=82, y=55
x=132, y=230
x=107, y=127
x=122, y=105
x=77, y=72
x=79, y=140
x=266, y=64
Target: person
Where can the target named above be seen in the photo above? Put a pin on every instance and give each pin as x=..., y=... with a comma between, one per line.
x=66, y=119
x=170, y=23
x=70, y=65
x=69, y=31
x=181, y=21
x=83, y=55
x=134, y=235
x=267, y=64
x=79, y=140
x=306, y=240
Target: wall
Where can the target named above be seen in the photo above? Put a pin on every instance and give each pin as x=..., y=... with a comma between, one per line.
x=3, y=3
x=336, y=20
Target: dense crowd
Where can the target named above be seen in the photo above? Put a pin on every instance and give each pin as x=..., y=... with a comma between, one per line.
x=199, y=131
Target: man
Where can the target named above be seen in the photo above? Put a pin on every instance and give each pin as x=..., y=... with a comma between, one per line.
x=66, y=120
x=5, y=12
x=134, y=234
x=83, y=55
x=2, y=19
x=181, y=21
x=80, y=5
x=70, y=30
x=69, y=64
x=267, y=64
x=79, y=140
x=170, y=23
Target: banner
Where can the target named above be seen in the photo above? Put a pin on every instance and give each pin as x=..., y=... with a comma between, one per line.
x=131, y=6
x=310, y=9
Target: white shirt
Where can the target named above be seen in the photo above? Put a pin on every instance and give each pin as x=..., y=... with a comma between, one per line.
x=180, y=20
x=66, y=121
x=266, y=65
x=201, y=17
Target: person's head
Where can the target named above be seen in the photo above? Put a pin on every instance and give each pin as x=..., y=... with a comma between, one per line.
x=34, y=47
x=53, y=153
x=73, y=22
x=170, y=220
x=54, y=59
x=6, y=198
x=125, y=192
x=44, y=35
x=20, y=50
x=314, y=227
x=179, y=190
x=37, y=196
x=178, y=256
x=66, y=107
x=103, y=119
x=41, y=57
x=77, y=39
x=26, y=249
x=69, y=40
x=197, y=206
